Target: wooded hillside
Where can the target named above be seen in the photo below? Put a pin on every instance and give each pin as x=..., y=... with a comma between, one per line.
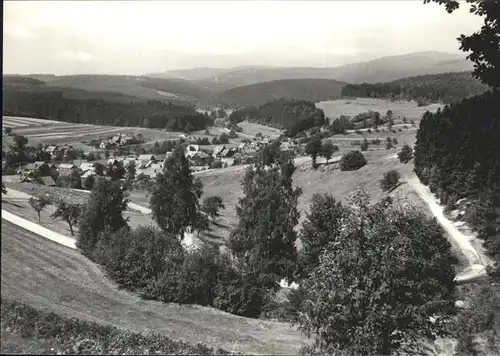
x=446, y=88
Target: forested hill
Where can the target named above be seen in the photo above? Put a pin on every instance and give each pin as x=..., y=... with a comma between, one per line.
x=299, y=89
x=446, y=88
x=55, y=106
x=281, y=113
x=457, y=155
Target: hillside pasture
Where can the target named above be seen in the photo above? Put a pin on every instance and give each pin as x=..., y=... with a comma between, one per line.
x=351, y=107
x=47, y=275
x=56, y=132
x=251, y=128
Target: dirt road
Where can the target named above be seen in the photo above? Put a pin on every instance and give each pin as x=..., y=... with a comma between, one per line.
x=477, y=261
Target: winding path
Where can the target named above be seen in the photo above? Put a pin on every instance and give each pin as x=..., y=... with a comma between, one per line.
x=477, y=261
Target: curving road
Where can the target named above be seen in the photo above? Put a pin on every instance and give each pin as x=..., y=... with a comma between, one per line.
x=477, y=261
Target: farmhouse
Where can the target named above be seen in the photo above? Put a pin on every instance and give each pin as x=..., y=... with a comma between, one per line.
x=48, y=181
x=86, y=166
x=145, y=159
x=52, y=149
x=88, y=173
x=200, y=158
x=191, y=150
x=218, y=150
x=65, y=169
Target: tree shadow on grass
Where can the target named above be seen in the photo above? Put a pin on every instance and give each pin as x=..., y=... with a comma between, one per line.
x=13, y=204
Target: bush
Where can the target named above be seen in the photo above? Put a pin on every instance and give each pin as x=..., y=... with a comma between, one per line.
x=352, y=161
x=390, y=180
x=216, y=164
x=74, y=336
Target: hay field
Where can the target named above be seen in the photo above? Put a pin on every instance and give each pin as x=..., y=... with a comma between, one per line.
x=56, y=132
x=351, y=107
x=50, y=276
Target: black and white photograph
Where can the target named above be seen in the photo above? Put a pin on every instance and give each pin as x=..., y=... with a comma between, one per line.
x=249, y=177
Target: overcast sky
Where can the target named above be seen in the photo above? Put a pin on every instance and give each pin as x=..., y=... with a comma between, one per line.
x=127, y=37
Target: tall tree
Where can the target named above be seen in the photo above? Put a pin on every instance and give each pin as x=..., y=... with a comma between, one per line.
x=175, y=196
x=321, y=226
x=375, y=289
x=313, y=149
x=212, y=205
x=104, y=209
x=67, y=212
x=264, y=239
x=38, y=204
x=328, y=149
x=406, y=154
x=483, y=46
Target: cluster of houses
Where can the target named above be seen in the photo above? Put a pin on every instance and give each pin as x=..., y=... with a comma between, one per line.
x=118, y=140
x=146, y=164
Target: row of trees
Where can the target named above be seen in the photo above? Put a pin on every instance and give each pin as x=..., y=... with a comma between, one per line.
x=446, y=88
x=282, y=113
x=456, y=156
x=150, y=114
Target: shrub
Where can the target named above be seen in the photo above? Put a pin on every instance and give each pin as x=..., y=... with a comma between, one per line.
x=216, y=164
x=390, y=180
x=75, y=336
x=352, y=161
x=406, y=154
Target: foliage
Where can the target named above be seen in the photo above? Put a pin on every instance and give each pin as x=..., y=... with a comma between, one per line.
x=327, y=150
x=20, y=142
x=75, y=336
x=104, y=209
x=55, y=106
x=455, y=154
x=446, y=88
x=352, y=161
x=75, y=180
x=212, y=205
x=216, y=164
x=483, y=46
x=4, y=190
x=264, y=239
x=406, y=154
x=131, y=172
x=389, y=270
x=364, y=145
x=116, y=171
x=174, y=197
x=480, y=318
x=38, y=204
x=89, y=182
x=313, y=149
x=321, y=226
x=388, y=143
x=279, y=113
x=68, y=212
x=390, y=180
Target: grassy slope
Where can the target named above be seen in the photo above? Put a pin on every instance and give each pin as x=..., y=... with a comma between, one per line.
x=47, y=275
x=351, y=107
x=261, y=93
x=140, y=87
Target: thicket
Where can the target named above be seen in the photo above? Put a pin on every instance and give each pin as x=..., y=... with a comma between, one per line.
x=74, y=336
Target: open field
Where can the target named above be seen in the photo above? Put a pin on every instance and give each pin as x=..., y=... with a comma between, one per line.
x=351, y=107
x=56, y=132
x=252, y=129
x=47, y=275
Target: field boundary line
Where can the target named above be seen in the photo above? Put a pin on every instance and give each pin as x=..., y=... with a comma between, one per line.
x=39, y=230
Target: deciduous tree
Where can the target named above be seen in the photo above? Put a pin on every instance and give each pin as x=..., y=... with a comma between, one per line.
x=375, y=289
x=38, y=204
x=406, y=154
x=390, y=180
x=175, y=196
x=67, y=212
x=212, y=205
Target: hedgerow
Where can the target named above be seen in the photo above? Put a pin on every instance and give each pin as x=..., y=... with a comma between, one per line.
x=74, y=336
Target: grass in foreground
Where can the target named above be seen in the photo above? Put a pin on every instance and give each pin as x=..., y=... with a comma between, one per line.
x=29, y=330
x=50, y=276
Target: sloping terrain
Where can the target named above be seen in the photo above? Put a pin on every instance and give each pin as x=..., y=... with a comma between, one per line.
x=303, y=89
x=50, y=276
x=141, y=87
x=379, y=70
